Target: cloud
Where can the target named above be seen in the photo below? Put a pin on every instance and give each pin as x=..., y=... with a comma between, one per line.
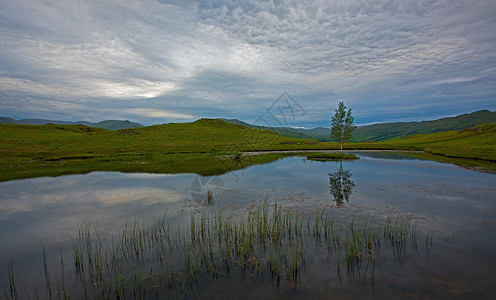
x=25, y=85
x=158, y=113
x=234, y=57
x=137, y=89
x=455, y=80
x=85, y=87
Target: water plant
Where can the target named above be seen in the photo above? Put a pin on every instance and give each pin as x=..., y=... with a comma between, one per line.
x=210, y=197
x=12, y=291
x=47, y=274
x=270, y=242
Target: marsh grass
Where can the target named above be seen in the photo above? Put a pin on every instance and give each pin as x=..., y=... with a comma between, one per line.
x=270, y=243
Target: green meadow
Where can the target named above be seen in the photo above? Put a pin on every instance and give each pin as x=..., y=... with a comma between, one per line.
x=205, y=147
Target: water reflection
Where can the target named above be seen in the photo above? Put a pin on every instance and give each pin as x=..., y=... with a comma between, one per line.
x=207, y=190
x=341, y=185
x=446, y=201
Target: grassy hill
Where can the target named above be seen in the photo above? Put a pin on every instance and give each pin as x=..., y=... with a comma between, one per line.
x=51, y=142
x=287, y=132
x=319, y=133
x=203, y=147
x=478, y=142
x=387, y=131
x=204, y=135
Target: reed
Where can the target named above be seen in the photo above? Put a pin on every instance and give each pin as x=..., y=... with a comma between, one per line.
x=12, y=292
x=164, y=260
x=47, y=275
x=64, y=290
x=210, y=197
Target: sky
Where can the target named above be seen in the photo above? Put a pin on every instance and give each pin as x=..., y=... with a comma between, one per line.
x=275, y=63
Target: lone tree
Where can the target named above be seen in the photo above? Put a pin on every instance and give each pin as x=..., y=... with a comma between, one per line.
x=342, y=124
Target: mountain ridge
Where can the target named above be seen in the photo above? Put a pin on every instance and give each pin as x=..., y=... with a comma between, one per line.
x=372, y=133
x=106, y=124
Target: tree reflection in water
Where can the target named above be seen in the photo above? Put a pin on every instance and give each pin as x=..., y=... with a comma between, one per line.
x=341, y=185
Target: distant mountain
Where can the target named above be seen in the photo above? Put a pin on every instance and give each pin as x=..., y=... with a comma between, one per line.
x=107, y=124
x=40, y=122
x=318, y=133
x=6, y=120
x=113, y=124
x=387, y=131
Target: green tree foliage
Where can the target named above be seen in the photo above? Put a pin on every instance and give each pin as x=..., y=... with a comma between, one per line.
x=342, y=124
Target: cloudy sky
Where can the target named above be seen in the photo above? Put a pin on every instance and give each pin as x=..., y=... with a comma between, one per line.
x=161, y=61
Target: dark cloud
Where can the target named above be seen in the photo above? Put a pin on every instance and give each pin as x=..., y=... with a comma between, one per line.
x=166, y=60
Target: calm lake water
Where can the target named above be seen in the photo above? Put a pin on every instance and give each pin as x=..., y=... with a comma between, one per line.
x=453, y=206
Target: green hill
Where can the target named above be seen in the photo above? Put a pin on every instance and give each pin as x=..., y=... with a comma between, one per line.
x=477, y=142
x=204, y=135
x=387, y=131
x=211, y=135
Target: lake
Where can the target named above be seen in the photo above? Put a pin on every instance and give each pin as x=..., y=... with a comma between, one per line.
x=431, y=230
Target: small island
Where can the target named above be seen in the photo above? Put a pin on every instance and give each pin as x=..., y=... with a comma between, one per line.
x=331, y=156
